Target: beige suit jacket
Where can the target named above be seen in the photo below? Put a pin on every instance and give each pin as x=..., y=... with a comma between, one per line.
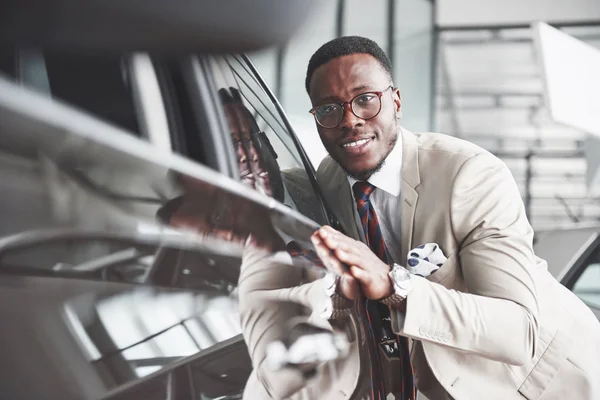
x=491, y=323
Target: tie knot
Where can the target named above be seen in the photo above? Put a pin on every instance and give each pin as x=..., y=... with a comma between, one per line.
x=362, y=190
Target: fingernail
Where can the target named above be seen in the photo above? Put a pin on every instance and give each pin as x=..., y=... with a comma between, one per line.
x=323, y=232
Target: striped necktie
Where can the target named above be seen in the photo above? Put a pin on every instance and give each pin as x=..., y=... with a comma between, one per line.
x=378, y=314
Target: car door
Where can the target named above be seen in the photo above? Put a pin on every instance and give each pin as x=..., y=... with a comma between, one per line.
x=583, y=278
x=119, y=256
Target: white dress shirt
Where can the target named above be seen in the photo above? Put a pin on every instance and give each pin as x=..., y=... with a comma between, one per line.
x=386, y=201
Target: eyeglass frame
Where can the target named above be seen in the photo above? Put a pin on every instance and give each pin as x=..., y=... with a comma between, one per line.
x=378, y=93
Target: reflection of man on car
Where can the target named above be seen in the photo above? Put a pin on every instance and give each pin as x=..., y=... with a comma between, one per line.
x=257, y=159
x=214, y=213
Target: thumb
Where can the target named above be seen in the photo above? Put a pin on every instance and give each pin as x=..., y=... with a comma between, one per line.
x=361, y=275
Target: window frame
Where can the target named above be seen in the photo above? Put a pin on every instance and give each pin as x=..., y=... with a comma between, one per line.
x=572, y=275
x=280, y=113
x=590, y=255
x=210, y=116
x=194, y=117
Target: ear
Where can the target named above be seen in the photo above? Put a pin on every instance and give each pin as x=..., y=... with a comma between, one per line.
x=397, y=102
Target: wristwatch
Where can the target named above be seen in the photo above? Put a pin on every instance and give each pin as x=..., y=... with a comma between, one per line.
x=402, y=281
x=330, y=282
x=335, y=306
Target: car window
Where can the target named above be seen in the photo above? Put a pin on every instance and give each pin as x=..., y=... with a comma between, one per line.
x=121, y=89
x=99, y=84
x=587, y=285
x=267, y=136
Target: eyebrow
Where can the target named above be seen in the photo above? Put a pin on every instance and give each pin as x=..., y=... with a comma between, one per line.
x=354, y=90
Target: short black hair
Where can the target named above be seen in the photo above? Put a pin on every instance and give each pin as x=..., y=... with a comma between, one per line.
x=345, y=46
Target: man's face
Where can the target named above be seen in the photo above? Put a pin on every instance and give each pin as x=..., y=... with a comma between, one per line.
x=340, y=80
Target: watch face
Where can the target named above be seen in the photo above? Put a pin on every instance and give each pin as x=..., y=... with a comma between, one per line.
x=400, y=274
x=401, y=277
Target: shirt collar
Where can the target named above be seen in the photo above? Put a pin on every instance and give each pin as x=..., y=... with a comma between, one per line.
x=388, y=178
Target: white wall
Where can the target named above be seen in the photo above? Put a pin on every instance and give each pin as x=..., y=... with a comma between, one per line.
x=488, y=12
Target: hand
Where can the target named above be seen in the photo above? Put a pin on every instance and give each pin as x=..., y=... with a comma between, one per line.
x=336, y=249
x=347, y=286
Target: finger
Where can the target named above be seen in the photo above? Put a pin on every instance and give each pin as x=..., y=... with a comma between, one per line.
x=340, y=241
x=328, y=232
x=348, y=287
x=361, y=275
x=329, y=259
x=315, y=238
x=350, y=256
x=325, y=254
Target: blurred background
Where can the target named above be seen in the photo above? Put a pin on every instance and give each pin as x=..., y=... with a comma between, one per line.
x=473, y=69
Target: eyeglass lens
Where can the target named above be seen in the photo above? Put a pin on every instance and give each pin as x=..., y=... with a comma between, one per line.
x=365, y=106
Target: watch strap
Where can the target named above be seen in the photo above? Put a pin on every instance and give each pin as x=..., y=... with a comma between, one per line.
x=394, y=300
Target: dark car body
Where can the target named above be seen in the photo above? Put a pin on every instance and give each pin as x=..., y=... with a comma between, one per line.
x=103, y=296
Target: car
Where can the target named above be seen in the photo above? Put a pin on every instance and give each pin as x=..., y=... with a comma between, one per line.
x=573, y=256
x=105, y=297
x=109, y=143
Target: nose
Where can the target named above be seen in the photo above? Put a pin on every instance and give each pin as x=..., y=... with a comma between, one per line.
x=350, y=121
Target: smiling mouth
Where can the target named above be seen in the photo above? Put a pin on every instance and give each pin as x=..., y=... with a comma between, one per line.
x=355, y=144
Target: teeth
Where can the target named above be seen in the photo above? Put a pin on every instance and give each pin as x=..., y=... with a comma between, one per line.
x=357, y=143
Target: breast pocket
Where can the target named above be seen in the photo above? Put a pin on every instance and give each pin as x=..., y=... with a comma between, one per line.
x=449, y=274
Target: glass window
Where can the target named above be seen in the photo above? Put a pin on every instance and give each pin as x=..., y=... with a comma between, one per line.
x=266, y=63
x=587, y=285
x=358, y=12
x=413, y=61
x=312, y=35
x=98, y=84
x=102, y=85
x=278, y=156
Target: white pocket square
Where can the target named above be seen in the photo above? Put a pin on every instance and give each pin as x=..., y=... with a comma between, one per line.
x=425, y=259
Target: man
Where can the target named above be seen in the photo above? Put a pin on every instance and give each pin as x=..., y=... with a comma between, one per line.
x=491, y=322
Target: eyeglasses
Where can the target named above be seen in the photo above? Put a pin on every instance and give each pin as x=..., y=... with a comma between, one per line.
x=365, y=106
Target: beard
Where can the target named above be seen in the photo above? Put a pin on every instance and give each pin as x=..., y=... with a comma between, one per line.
x=366, y=174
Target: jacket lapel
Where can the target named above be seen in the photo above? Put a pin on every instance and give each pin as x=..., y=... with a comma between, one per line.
x=335, y=188
x=408, y=194
x=346, y=203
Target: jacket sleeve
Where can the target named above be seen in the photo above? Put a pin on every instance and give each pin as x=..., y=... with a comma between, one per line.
x=496, y=317
x=271, y=292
